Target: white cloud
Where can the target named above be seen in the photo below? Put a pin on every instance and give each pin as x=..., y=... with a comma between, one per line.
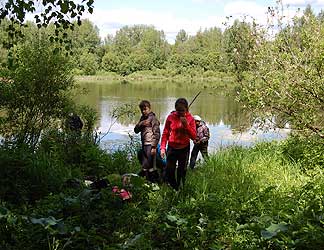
x=244, y=7
x=206, y=1
x=109, y=21
x=297, y=2
x=303, y=3
x=241, y=8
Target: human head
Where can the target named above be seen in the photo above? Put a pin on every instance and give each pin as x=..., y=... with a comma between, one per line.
x=181, y=106
x=145, y=107
x=197, y=119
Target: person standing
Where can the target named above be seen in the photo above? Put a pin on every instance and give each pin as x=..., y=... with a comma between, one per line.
x=201, y=141
x=74, y=123
x=179, y=128
x=149, y=127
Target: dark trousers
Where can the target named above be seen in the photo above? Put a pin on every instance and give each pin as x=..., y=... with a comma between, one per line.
x=202, y=148
x=148, y=164
x=148, y=159
x=181, y=157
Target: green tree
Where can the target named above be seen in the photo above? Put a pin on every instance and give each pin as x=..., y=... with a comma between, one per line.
x=135, y=48
x=86, y=49
x=58, y=12
x=239, y=42
x=287, y=81
x=88, y=63
x=194, y=54
x=127, y=38
x=86, y=36
x=155, y=45
x=181, y=37
x=141, y=59
x=33, y=93
x=111, y=61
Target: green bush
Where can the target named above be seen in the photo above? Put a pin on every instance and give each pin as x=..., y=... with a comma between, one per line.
x=35, y=90
x=88, y=63
x=308, y=152
x=27, y=176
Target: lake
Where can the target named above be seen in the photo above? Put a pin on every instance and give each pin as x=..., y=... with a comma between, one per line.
x=227, y=122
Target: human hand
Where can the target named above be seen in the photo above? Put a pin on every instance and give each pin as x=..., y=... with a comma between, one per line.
x=163, y=153
x=153, y=151
x=145, y=123
x=184, y=121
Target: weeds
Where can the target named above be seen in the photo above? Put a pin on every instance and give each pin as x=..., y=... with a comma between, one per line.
x=256, y=198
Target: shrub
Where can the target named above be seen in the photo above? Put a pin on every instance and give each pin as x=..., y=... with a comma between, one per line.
x=34, y=92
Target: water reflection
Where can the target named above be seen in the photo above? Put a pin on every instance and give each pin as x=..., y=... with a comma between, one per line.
x=227, y=122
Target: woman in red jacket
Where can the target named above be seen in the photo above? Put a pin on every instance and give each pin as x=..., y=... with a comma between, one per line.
x=179, y=128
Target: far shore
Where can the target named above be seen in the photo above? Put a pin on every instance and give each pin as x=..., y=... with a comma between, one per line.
x=222, y=80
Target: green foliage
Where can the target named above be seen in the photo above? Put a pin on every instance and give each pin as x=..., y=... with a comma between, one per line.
x=308, y=152
x=26, y=176
x=111, y=62
x=85, y=37
x=85, y=47
x=59, y=12
x=266, y=197
x=239, y=42
x=88, y=63
x=34, y=92
x=140, y=47
x=286, y=82
x=135, y=48
x=181, y=37
x=239, y=199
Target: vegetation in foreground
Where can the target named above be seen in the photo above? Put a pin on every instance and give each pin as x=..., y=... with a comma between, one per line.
x=266, y=197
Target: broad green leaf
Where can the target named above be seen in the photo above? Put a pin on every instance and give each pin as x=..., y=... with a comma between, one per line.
x=172, y=218
x=274, y=229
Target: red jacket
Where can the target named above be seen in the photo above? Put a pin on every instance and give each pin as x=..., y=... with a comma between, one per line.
x=175, y=133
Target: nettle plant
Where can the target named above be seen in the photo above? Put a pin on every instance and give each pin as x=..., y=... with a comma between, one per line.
x=286, y=78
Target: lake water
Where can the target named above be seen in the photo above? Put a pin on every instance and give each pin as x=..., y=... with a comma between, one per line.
x=228, y=124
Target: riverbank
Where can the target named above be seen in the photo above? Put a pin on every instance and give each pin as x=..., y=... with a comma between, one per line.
x=263, y=197
x=218, y=79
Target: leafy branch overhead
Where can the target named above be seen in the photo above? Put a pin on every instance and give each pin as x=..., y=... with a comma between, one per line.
x=287, y=80
x=61, y=13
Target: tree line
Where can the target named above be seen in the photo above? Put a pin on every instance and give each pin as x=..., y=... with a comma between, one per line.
x=278, y=67
x=141, y=48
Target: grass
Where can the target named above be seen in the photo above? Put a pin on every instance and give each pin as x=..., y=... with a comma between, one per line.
x=159, y=76
x=239, y=193
x=241, y=198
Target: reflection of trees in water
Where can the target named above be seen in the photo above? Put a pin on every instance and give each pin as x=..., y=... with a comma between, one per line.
x=212, y=105
x=217, y=109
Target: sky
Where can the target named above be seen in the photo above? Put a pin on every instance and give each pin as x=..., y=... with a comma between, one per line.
x=190, y=15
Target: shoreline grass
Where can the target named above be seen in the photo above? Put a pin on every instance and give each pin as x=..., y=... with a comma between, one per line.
x=156, y=76
x=241, y=198
x=249, y=199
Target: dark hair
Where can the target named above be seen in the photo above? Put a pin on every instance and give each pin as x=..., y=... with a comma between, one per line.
x=144, y=104
x=181, y=101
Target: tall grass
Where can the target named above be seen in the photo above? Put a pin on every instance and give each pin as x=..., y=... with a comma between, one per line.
x=241, y=198
x=244, y=199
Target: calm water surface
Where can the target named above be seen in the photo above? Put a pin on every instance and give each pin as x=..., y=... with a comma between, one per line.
x=227, y=122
